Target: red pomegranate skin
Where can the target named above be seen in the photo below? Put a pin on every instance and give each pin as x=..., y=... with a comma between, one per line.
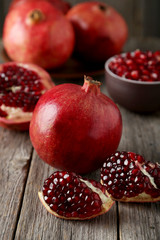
x=100, y=30
x=60, y=4
x=75, y=128
x=45, y=38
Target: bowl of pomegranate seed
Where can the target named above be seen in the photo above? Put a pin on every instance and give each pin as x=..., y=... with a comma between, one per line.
x=133, y=80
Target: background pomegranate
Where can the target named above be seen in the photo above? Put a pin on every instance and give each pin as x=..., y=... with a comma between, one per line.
x=75, y=128
x=60, y=4
x=21, y=85
x=36, y=32
x=100, y=30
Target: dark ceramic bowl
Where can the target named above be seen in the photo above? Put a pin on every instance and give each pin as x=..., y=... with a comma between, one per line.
x=133, y=95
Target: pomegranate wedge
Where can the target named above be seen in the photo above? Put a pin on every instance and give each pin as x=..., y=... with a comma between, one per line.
x=128, y=177
x=69, y=196
x=21, y=86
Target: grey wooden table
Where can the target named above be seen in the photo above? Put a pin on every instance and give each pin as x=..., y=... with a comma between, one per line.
x=22, y=173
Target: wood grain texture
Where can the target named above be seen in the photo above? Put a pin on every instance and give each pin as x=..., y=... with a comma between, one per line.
x=139, y=221
x=141, y=134
x=15, y=153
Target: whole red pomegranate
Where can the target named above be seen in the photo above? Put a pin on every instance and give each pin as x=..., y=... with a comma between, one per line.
x=36, y=32
x=75, y=128
x=21, y=86
x=60, y=4
x=100, y=30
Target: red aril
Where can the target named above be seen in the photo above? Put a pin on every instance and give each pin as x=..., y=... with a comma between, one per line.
x=137, y=65
x=69, y=196
x=21, y=86
x=75, y=128
x=99, y=29
x=36, y=32
x=128, y=177
x=59, y=4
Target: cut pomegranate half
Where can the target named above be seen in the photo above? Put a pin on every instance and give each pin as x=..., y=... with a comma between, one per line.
x=21, y=86
x=69, y=196
x=128, y=177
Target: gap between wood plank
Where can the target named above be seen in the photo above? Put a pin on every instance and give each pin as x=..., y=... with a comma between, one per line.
x=117, y=213
x=21, y=202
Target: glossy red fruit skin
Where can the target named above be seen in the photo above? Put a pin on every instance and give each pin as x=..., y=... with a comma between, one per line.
x=23, y=124
x=75, y=128
x=100, y=30
x=45, y=38
x=59, y=4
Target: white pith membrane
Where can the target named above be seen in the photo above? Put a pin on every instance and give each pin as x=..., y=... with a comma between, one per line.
x=142, y=197
x=16, y=113
x=107, y=202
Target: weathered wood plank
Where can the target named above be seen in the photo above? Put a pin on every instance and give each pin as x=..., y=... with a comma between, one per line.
x=139, y=221
x=141, y=134
x=151, y=18
x=15, y=153
x=36, y=223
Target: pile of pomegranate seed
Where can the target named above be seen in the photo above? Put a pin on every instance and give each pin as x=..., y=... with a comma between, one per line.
x=137, y=65
x=126, y=174
x=69, y=196
x=19, y=88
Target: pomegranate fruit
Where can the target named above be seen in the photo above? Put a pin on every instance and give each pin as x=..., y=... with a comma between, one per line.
x=21, y=85
x=129, y=177
x=75, y=128
x=60, y=4
x=36, y=32
x=137, y=65
x=99, y=29
x=69, y=196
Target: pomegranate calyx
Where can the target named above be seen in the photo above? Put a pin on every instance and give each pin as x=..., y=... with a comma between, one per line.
x=102, y=7
x=35, y=17
x=91, y=85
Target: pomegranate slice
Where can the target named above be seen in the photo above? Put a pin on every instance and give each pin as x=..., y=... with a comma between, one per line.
x=69, y=196
x=128, y=177
x=21, y=85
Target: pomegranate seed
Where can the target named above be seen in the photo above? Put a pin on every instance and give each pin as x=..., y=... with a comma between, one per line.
x=20, y=87
x=138, y=65
x=128, y=178
x=73, y=198
x=135, y=74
